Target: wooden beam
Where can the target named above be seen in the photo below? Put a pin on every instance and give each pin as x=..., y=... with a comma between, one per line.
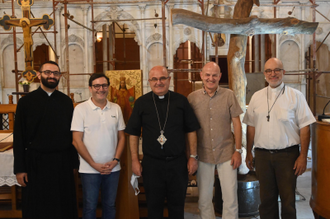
x=248, y=26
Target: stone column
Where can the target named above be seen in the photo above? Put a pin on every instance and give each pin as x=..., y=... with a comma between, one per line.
x=85, y=17
x=143, y=49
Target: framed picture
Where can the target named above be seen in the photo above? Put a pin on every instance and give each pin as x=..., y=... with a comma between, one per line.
x=125, y=88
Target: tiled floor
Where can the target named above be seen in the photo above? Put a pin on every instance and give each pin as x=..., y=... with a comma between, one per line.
x=303, y=209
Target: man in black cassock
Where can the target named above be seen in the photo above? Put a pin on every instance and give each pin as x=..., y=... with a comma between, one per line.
x=167, y=122
x=44, y=157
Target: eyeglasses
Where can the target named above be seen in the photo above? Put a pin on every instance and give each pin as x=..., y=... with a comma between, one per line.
x=161, y=79
x=55, y=73
x=276, y=71
x=98, y=86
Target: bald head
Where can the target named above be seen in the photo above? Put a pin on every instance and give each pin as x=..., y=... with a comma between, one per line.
x=159, y=80
x=211, y=66
x=274, y=61
x=158, y=68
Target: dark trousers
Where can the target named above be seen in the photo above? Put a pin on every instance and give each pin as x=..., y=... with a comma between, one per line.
x=276, y=177
x=165, y=179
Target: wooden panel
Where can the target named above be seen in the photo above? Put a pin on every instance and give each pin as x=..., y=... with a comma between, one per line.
x=127, y=202
x=9, y=109
x=320, y=201
x=129, y=58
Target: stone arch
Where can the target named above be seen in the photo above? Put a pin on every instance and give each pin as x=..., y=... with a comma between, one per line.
x=5, y=69
x=73, y=40
x=8, y=78
x=290, y=54
x=187, y=33
x=8, y=41
x=116, y=12
x=40, y=39
x=154, y=55
x=155, y=38
x=78, y=42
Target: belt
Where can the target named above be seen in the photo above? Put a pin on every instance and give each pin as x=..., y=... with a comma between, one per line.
x=278, y=150
x=166, y=158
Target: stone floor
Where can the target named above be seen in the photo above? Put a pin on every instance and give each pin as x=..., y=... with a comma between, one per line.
x=302, y=204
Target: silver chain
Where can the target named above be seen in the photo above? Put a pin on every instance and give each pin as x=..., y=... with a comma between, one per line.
x=168, y=106
x=269, y=110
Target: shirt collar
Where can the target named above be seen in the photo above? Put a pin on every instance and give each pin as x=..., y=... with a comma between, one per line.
x=204, y=91
x=277, y=89
x=48, y=93
x=94, y=107
x=164, y=97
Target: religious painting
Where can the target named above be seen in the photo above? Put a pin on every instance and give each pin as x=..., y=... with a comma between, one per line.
x=125, y=88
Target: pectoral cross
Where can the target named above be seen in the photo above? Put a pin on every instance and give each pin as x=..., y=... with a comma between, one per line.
x=268, y=117
x=26, y=23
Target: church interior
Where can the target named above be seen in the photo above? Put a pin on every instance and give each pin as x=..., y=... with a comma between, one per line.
x=124, y=39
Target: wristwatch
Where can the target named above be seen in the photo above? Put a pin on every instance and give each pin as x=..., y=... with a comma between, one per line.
x=239, y=150
x=116, y=159
x=195, y=156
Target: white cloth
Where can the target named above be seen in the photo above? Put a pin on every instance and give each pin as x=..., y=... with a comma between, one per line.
x=289, y=114
x=135, y=183
x=228, y=182
x=100, y=128
x=7, y=176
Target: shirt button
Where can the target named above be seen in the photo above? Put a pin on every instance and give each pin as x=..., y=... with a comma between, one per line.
x=210, y=118
x=212, y=139
x=211, y=129
x=213, y=149
x=210, y=108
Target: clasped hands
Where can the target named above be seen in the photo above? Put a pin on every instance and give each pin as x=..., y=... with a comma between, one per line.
x=105, y=168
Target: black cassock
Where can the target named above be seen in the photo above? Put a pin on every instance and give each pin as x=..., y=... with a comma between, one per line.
x=43, y=149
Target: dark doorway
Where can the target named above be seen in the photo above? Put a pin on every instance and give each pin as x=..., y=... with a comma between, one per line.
x=187, y=55
x=222, y=62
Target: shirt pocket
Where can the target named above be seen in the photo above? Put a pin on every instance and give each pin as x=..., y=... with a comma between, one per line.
x=286, y=114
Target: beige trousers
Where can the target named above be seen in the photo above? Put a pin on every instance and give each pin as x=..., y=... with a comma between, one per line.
x=228, y=183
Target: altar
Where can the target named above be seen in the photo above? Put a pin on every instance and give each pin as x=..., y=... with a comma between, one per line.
x=7, y=178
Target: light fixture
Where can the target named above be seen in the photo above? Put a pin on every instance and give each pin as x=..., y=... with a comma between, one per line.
x=99, y=36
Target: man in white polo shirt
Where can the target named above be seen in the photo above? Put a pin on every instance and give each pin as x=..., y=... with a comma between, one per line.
x=98, y=135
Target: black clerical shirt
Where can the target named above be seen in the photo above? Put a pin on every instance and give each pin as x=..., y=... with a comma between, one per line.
x=181, y=120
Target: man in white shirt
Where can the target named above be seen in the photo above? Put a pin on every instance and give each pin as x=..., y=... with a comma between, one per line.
x=278, y=119
x=98, y=135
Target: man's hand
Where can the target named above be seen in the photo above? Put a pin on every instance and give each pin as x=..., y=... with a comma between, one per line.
x=236, y=160
x=249, y=160
x=101, y=168
x=192, y=165
x=300, y=165
x=137, y=168
x=21, y=177
x=109, y=166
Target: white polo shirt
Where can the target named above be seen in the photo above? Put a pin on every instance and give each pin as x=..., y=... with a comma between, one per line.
x=100, y=128
x=289, y=114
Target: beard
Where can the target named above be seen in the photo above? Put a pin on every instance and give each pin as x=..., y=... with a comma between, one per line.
x=49, y=84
